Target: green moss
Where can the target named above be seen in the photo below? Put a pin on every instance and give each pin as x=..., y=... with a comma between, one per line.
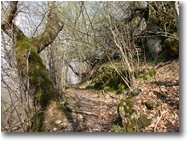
x=107, y=79
x=144, y=121
x=39, y=77
x=138, y=124
x=171, y=45
x=132, y=125
x=118, y=128
x=150, y=105
x=131, y=121
x=37, y=123
x=31, y=67
x=126, y=105
x=152, y=72
x=149, y=74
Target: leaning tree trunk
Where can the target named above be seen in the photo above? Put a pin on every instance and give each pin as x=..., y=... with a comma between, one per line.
x=32, y=70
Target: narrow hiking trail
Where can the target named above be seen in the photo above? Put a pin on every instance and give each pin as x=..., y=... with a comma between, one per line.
x=95, y=111
x=91, y=111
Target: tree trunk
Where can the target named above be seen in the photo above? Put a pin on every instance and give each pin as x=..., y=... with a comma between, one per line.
x=33, y=72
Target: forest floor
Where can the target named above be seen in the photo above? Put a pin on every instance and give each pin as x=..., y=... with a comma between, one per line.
x=95, y=111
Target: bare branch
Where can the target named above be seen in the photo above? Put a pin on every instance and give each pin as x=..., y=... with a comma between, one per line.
x=7, y=24
x=9, y=16
x=53, y=27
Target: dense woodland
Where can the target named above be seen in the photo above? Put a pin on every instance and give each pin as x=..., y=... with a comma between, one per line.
x=90, y=66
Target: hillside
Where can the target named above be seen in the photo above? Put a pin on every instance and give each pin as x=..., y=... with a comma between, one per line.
x=90, y=66
x=95, y=111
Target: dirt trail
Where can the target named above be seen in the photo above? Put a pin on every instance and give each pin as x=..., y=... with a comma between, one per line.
x=91, y=111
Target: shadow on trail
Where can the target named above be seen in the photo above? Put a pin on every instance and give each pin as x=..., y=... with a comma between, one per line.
x=166, y=99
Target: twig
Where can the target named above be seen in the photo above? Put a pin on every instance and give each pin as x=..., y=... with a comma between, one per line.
x=162, y=113
x=85, y=112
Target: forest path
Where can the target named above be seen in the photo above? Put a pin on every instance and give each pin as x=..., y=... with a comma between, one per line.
x=91, y=111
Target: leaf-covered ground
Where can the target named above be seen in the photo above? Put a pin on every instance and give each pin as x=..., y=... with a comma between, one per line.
x=95, y=111
x=162, y=92
x=91, y=111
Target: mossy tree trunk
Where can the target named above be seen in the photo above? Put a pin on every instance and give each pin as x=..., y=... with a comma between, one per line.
x=31, y=68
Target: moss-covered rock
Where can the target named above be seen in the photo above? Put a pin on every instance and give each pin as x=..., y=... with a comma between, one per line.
x=150, y=105
x=132, y=120
x=106, y=78
x=163, y=24
x=171, y=46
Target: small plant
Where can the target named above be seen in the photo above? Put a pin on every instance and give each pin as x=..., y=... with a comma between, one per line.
x=150, y=73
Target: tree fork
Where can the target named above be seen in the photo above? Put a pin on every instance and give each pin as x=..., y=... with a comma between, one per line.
x=31, y=67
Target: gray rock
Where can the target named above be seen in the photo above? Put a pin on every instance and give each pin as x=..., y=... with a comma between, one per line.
x=154, y=47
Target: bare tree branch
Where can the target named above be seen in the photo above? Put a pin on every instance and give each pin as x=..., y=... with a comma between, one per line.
x=53, y=27
x=7, y=25
x=9, y=16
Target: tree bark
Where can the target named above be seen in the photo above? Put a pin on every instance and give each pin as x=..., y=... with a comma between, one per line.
x=53, y=27
x=31, y=68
